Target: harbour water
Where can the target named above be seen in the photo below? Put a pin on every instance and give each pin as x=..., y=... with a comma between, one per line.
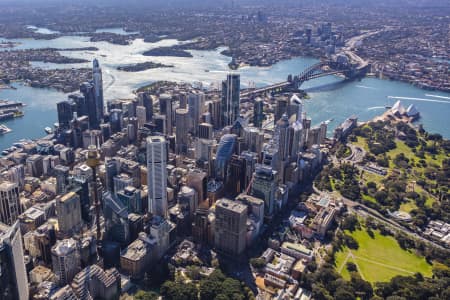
x=331, y=97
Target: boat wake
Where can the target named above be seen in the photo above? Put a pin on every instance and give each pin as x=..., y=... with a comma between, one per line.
x=437, y=96
x=366, y=87
x=375, y=107
x=419, y=99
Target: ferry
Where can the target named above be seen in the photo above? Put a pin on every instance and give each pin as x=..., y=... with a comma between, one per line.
x=18, y=114
x=4, y=129
x=48, y=130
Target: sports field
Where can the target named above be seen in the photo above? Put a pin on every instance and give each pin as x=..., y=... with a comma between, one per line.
x=380, y=258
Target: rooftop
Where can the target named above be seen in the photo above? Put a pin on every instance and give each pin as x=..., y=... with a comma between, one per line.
x=68, y=196
x=64, y=247
x=297, y=247
x=231, y=205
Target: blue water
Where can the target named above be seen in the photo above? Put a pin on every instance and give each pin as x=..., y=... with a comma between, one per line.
x=40, y=112
x=331, y=98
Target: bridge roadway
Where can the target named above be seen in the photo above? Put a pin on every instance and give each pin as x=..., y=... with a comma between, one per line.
x=309, y=74
x=306, y=75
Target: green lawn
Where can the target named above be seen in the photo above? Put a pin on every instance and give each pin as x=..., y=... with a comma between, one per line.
x=361, y=142
x=368, y=198
x=368, y=176
x=381, y=258
x=408, y=206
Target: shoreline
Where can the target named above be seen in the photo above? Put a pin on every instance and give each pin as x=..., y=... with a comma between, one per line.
x=183, y=51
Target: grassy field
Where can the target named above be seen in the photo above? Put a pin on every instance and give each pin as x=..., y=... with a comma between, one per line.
x=379, y=259
x=361, y=142
x=408, y=206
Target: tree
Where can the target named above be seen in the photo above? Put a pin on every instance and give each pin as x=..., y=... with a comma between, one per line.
x=381, y=197
x=351, y=242
x=351, y=267
x=208, y=289
x=319, y=292
x=171, y=290
x=257, y=262
x=342, y=294
x=362, y=288
x=193, y=272
x=144, y=295
x=371, y=185
x=218, y=285
x=350, y=222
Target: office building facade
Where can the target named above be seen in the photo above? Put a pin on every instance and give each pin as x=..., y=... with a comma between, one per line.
x=157, y=175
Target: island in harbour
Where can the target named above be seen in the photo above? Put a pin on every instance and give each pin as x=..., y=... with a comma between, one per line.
x=143, y=66
x=167, y=51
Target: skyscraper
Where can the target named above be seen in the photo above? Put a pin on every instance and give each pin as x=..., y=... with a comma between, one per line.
x=230, y=99
x=166, y=108
x=230, y=227
x=98, y=90
x=181, y=131
x=223, y=156
x=65, y=109
x=66, y=260
x=205, y=131
x=93, y=96
x=280, y=108
x=157, y=175
x=296, y=137
x=258, y=113
x=264, y=186
x=62, y=178
x=87, y=89
x=282, y=131
x=13, y=276
x=68, y=209
x=215, y=109
x=295, y=108
x=196, y=104
x=10, y=207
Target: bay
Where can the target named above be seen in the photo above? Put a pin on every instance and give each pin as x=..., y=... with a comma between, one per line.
x=331, y=97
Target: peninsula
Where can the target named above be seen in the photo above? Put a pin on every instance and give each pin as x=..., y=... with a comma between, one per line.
x=142, y=66
x=167, y=51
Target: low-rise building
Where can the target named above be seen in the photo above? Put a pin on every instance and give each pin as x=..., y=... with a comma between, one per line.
x=297, y=250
